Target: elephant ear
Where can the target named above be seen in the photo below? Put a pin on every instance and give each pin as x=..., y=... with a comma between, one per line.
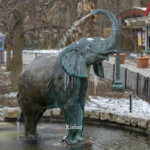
x=73, y=63
x=98, y=70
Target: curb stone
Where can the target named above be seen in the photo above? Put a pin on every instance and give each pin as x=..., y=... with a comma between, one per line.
x=95, y=115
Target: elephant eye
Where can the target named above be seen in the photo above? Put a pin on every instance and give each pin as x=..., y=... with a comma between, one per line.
x=90, y=46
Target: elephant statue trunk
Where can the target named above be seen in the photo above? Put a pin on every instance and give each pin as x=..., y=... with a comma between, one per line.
x=51, y=82
x=94, y=50
x=113, y=38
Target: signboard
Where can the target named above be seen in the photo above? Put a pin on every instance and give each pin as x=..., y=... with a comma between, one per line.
x=139, y=34
x=141, y=38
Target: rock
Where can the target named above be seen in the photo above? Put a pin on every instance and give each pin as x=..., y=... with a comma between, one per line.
x=11, y=112
x=142, y=123
x=134, y=121
x=94, y=114
x=123, y=120
x=148, y=126
x=112, y=117
x=1, y=119
x=86, y=113
x=47, y=113
x=56, y=112
x=1, y=112
x=104, y=116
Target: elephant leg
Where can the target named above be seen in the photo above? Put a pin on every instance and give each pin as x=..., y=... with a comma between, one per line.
x=30, y=124
x=79, y=137
x=39, y=115
x=73, y=119
x=81, y=104
x=31, y=121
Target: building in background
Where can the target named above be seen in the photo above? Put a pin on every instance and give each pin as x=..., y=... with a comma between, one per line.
x=142, y=26
x=129, y=34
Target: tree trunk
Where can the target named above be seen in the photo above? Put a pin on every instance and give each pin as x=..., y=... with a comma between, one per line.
x=8, y=49
x=16, y=63
x=8, y=64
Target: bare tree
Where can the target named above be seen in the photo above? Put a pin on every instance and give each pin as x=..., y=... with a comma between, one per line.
x=19, y=17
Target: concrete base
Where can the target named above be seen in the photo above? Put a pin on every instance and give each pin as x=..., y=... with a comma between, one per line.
x=118, y=86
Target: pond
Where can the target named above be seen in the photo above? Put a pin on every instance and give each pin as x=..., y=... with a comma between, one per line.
x=96, y=138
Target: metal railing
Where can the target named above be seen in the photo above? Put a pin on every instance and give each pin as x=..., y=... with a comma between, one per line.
x=133, y=81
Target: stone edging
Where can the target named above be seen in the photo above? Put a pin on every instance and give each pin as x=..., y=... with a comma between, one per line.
x=90, y=117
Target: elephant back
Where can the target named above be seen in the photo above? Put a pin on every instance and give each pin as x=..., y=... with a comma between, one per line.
x=36, y=76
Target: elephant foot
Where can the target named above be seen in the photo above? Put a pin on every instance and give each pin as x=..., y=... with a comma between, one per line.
x=32, y=139
x=79, y=138
x=70, y=141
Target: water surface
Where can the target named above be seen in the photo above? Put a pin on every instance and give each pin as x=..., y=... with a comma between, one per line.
x=96, y=138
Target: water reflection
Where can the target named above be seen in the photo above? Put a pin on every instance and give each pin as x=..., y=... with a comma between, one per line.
x=96, y=138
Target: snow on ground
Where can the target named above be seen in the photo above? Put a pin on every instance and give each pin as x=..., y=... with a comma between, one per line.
x=12, y=94
x=140, y=109
x=2, y=68
x=53, y=52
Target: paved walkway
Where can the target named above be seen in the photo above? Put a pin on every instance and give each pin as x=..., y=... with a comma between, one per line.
x=130, y=63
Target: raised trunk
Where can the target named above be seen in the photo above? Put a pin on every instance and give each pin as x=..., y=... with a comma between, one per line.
x=16, y=63
x=112, y=40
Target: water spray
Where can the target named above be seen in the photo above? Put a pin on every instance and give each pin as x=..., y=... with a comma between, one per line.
x=65, y=37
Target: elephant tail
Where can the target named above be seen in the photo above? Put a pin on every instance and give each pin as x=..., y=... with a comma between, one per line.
x=21, y=116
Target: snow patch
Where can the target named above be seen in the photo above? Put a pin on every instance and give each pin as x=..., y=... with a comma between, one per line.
x=12, y=94
x=90, y=39
x=141, y=8
x=52, y=52
x=3, y=67
x=140, y=109
x=134, y=55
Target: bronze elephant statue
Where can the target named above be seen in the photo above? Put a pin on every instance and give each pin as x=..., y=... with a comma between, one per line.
x=51, y=82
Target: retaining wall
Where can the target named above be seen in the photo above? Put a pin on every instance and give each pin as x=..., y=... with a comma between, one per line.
x=94, y=117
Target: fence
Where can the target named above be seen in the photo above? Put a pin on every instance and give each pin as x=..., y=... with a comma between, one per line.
x=131, y=80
